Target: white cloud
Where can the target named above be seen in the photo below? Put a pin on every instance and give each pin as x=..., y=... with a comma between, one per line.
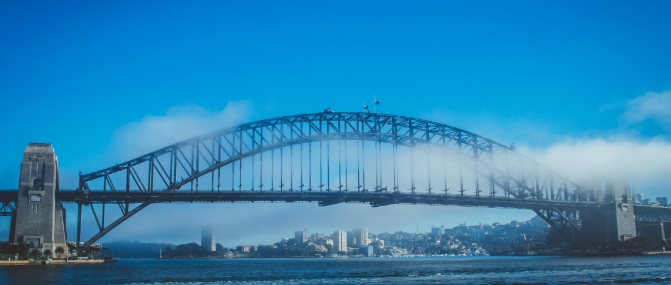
x=179, y=123
x=647, y=164
x=653, y=106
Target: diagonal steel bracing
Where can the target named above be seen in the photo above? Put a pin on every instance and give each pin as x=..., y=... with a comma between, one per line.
x=235, y=154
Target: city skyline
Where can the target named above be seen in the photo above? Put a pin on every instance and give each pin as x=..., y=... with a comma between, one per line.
x=339, y=240
x=359, y=236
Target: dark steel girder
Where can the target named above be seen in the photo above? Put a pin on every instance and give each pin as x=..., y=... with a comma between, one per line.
x=331, y=198
x=645, y=213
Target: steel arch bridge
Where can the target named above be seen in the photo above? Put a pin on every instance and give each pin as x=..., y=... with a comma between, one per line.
x=306, y=158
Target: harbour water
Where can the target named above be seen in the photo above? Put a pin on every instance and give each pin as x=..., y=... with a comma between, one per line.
x=417, y=270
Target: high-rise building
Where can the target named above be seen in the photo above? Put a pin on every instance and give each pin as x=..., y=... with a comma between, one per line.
x=207, y=239
x=351, y=238
x=638, y=198
x=302, y=236
x=437, y=232
x=366, y=250
x=361, y=236
x=662, y=201
x=340, y=241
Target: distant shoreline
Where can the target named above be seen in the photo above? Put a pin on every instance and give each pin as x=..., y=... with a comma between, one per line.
x=53, y=262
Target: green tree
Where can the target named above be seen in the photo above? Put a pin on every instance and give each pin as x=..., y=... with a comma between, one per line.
x=641, y=243
x=47, y=252
x=8, y=248
x=167, y=251
x=35, y=253
x=60, y=251
x=190, y=249
x=22, y=249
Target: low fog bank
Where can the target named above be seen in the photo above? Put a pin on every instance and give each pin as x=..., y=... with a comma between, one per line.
x=646, y=164
x=178, y=124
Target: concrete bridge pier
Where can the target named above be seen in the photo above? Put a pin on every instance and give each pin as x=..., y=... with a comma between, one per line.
x=613, y=222
x=40, y=218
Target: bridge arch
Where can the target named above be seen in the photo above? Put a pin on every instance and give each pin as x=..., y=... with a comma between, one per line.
x=171, y=168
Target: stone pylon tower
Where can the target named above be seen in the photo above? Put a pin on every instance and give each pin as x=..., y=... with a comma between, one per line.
x=614, y=222
x=621, y=222
x=40, y=219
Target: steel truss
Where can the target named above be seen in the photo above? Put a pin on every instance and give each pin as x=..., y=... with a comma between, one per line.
x=8, y=202
x=566, y=222
x=181, y=166
x=654, y=218
x=7, y=208
x=646, y=213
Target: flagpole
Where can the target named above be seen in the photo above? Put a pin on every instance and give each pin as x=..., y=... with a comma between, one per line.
x=374, y=104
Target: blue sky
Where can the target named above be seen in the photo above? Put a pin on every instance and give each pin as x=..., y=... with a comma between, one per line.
x=548, y=76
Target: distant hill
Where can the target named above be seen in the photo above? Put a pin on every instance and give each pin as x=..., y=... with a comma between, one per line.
x=135, y=249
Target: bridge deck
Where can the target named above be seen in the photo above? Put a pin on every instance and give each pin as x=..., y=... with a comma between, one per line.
x=323, y=198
